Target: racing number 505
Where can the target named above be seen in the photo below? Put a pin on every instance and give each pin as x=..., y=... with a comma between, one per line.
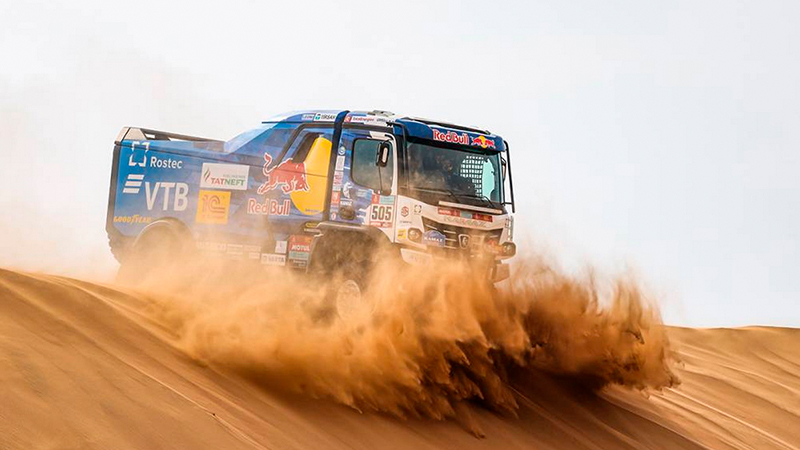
x=381, y=213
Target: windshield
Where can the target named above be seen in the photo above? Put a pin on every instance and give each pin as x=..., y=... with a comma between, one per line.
x=466, y=176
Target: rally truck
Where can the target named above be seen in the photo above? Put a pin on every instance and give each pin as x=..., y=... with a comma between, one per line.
x=315, y=191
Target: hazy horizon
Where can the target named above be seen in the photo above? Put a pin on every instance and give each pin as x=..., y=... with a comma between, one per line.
x=657, y=138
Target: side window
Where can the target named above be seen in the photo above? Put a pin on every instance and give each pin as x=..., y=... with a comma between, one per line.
x=311, y=150
x=301, y=151
x=364, y=170
x=270, y=138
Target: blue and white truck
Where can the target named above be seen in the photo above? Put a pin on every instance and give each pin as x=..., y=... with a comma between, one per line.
x=316, y=191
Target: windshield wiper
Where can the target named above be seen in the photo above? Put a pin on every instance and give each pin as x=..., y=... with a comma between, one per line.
x=483, y=197
x=459, y=195
x=439, y=191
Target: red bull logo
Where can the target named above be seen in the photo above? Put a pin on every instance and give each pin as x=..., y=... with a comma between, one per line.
x=288, y=175
x=482, y=142
x=463, y=139
x=451, y=137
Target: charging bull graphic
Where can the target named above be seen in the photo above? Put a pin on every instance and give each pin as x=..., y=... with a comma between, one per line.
x=482, y=142
x=288, y=175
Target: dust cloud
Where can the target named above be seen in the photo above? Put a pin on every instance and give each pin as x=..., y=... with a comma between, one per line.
x=437, y=337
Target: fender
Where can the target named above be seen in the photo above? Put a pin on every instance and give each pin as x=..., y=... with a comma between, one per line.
x=350, y=233
x=171, y=225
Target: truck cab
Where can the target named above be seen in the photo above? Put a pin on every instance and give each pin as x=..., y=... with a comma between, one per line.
x=304, y=188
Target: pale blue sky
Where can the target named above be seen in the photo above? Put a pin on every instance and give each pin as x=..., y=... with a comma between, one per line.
x=660, y=137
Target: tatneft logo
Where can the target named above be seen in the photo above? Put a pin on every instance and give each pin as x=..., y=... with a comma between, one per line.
x=224, y=176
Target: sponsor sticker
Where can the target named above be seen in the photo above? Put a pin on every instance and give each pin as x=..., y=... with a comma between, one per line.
x=482, y=142
x=271, y=259
x=224, y=176
x=433, y=238
x=470, y=216
x=299, y=250
x=213, y=206
x=253, y=252
x=174, y=196
x=234, y=251
x=451, y=137
x=347, y=190
x=280, y=247
x=211, y=246
x=381, y=215
x=133, y=183
x=464, y=221
x=287, y=175
x=383, y=199
x=340, y=162
x=462, y=139
x=404, y=211
x=324, y=117
x=136, y=218
x=269, y=207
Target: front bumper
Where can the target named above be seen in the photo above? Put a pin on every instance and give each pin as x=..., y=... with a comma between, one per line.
x=497, y=270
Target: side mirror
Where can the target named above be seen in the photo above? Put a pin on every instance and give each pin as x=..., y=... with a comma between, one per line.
x=382, y=156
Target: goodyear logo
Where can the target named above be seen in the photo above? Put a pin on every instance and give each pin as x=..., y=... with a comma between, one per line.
x=213, y=206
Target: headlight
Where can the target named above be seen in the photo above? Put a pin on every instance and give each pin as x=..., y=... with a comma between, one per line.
x=509, y=249
x=414, y=235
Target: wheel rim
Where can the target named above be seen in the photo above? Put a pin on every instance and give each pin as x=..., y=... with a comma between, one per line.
x=351, y=303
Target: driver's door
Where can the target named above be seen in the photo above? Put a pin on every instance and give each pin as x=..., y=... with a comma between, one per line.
x=362, y=192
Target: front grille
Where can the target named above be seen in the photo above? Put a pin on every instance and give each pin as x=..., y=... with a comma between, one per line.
x=452, y=235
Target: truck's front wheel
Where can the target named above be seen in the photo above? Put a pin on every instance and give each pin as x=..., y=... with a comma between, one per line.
x=345, y=271
x=348, y=295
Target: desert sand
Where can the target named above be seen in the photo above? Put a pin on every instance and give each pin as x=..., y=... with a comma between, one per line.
x=86, y=365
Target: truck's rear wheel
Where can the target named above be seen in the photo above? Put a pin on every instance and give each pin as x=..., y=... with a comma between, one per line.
x=158, y=251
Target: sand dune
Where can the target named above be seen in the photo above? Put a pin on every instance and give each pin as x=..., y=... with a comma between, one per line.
x=92, y=366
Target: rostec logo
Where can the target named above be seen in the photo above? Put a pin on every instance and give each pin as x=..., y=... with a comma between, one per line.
x=143, y=162
x=451, y=137
x=212, y=207
x=288, y=175
x=482, y=142
x=155, y=161
x=224, y=176
x=165, y=163
x=133, y=183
